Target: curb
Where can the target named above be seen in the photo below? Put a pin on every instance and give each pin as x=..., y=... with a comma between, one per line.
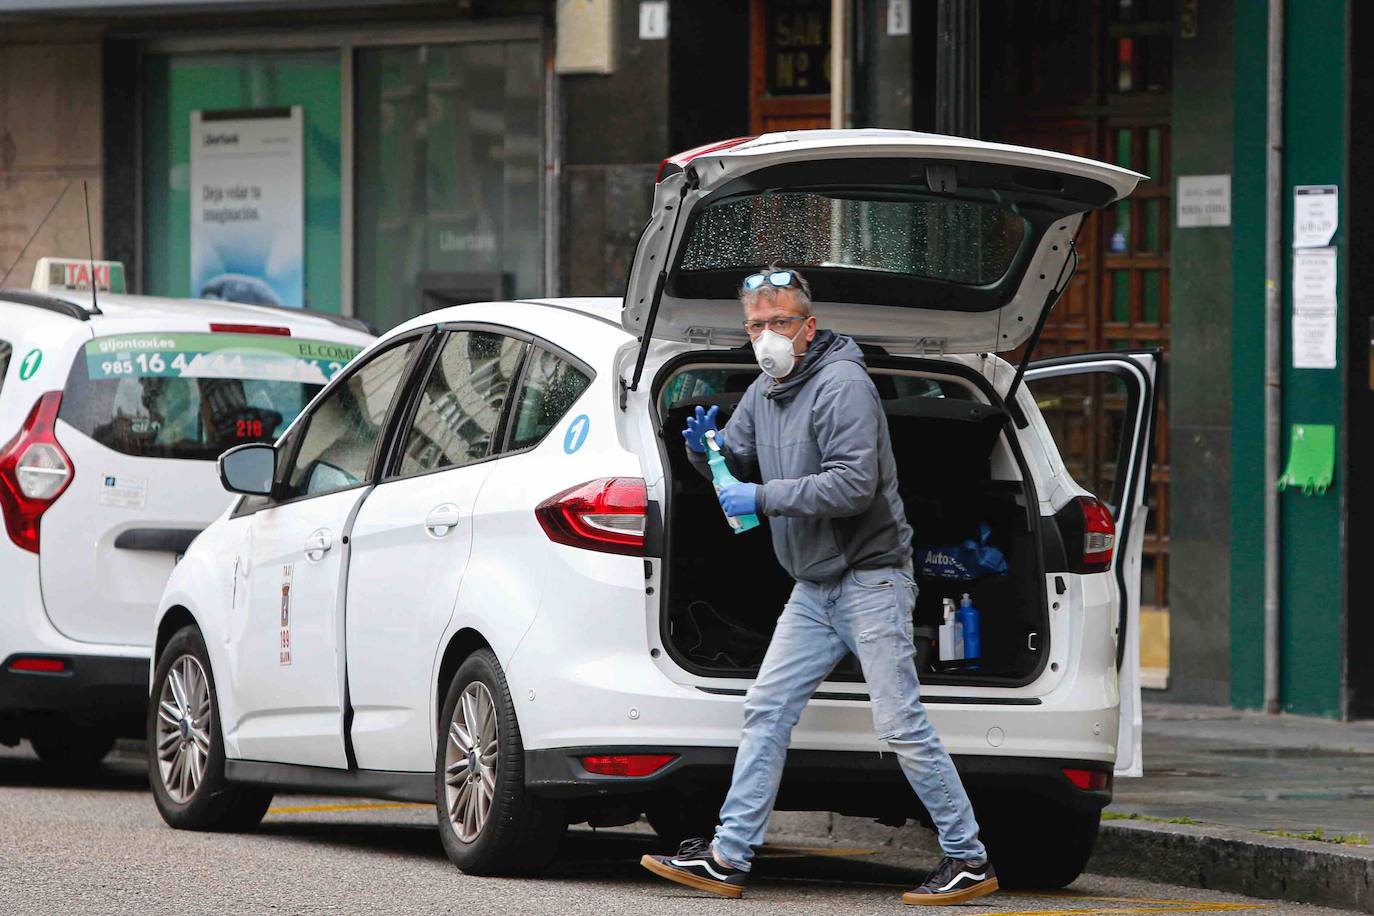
x=1209, y=856
x=1238, y=861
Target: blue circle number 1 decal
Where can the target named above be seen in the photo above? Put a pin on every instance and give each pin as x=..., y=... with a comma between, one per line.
x=32, y=360
x=577, y=433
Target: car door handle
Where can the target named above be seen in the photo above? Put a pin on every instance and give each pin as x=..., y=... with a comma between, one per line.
x=442, y=519
x=318, y=543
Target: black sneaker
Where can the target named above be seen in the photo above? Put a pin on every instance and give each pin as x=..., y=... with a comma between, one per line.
x=954, y=881
x=695, y=866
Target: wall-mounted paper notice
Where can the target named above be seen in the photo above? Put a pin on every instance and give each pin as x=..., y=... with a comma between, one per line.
x=899, y=17
x=1314, y=340
x=1314, y=280
x=1316, y=214
x=1204, y=200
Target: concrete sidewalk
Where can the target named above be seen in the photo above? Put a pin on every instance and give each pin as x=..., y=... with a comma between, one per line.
x=1279, y=773
x=1271, y=806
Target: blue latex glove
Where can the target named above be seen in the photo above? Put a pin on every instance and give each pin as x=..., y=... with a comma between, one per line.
x=740, y=499
x=697, y=427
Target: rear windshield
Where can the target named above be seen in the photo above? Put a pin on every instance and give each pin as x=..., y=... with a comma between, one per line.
x=194, y=395
x=959, y=241
x=727, y=384
x=5, y=350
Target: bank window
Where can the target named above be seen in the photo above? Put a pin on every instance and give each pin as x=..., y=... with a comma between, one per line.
x=551, y=386
x=460, y=408
x=449, y=176
x=343, y=428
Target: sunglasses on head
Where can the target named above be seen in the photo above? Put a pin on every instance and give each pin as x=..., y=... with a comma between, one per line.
x=780, y=279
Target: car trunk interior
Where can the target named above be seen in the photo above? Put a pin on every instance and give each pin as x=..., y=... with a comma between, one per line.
x=957, y=472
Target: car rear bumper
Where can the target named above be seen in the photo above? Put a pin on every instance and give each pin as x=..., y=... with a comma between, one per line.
x=91, y=689
x=860, y=784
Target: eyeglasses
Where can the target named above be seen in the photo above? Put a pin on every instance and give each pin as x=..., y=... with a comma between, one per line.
x=776, y=278
x=782, y=325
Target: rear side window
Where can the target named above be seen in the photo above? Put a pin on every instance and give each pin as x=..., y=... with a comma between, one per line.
x=462, y=402
x=551, y=386
x=342, y=429
x=5, y=350
x=191, y=396
x=960, y=241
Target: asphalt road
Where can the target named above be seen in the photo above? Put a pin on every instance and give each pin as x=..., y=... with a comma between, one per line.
x=97, y=845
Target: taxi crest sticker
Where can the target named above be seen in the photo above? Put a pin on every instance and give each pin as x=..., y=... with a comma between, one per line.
x=284, y=646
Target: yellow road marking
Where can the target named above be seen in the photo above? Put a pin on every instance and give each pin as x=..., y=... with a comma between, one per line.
x=307, y=809
x=1176, y=906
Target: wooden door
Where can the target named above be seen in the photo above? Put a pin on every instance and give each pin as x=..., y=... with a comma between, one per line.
x=789, y=65
x=1094, y=82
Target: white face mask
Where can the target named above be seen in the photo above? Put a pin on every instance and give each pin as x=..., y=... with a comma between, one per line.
x=774, y=353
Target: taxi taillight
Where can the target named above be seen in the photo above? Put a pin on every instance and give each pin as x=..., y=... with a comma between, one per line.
x=606, y=515
x=34, y=471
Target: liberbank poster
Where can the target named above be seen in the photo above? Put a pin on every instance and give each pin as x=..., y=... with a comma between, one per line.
x=248, y=206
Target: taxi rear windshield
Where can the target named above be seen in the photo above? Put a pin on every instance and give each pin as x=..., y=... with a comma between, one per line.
x=959, y=241
x=192, y=396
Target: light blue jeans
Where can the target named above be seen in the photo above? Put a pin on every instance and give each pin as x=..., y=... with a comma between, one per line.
x=867, y=612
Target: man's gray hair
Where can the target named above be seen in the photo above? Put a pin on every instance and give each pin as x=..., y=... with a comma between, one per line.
x=800, y=289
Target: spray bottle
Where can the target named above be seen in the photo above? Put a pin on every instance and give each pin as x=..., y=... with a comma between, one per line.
x=973, y=636
x=951, y=635
x=722, y=478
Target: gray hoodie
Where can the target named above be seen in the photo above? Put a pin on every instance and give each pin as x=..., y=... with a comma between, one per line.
x=818, y=442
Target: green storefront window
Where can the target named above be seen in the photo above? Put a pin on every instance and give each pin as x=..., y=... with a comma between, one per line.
x=176, y=85
x=449, y=176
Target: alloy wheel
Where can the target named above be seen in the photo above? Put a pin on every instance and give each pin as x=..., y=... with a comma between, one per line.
x=183, y=728
x=470, y=762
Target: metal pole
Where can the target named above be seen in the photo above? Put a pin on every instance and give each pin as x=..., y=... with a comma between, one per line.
x=839, y=62
x=1273, y=354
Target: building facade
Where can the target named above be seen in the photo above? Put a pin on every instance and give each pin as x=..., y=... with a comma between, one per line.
x=480, y=149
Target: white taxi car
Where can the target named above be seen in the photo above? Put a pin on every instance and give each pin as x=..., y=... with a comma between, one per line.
x=478, y=570
x=111, y=416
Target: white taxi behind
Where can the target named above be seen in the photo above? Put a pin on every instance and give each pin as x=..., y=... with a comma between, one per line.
x=112, y=412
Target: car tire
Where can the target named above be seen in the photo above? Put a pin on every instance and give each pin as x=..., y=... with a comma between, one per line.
x=186, y=761
x=490, y=824
x=1038, y=845
x=71, y=748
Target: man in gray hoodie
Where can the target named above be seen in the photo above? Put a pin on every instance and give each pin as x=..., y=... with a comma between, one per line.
x=811, y=429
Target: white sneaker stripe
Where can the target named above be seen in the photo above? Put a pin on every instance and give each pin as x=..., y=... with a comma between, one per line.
x=961, y=876
x=703, y=863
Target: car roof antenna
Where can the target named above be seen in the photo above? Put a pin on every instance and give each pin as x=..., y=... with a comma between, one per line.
x=90, y=249
x=39, y=228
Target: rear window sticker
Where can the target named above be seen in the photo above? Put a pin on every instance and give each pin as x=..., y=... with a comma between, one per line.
x=29, y=365
x=577, y=433
x=227, y=356
x=123, y=492
x=284, y=648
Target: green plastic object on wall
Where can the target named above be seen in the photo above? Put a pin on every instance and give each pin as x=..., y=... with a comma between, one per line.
x=1311, y=458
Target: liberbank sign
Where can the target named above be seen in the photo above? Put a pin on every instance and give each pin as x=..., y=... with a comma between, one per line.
x=248, y=206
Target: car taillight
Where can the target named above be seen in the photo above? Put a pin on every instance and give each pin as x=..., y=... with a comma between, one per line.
x=1087, y=780
x=34, y=470
x=626, y=764
x=221, y=328
x=606, y=515
x=1089, y=534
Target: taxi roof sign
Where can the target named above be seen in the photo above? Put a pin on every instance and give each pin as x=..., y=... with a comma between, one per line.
x=74, y=274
